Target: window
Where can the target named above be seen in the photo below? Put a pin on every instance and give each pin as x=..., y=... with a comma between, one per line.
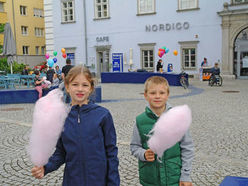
x=146, y=6
x=239, y=1
x=147, y=59
x=188, y=57
x=101, y=9
x=43, y=50
x=25, y=50
x=24, y=30
x=39, y=32
x=187, y=4
x=68, y=11
x=1, y=7
x=37, y=50
x=38, y=12
x=147, y=56
x=188, y=54
x=23, y=10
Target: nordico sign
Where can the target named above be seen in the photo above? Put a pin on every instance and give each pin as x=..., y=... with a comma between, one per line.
x=167, y=27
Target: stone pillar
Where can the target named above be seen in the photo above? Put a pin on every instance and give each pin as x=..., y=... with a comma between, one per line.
x=225, y=47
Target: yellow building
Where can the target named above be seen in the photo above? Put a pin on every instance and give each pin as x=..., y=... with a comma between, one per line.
x=3, y=20
x=26, y=18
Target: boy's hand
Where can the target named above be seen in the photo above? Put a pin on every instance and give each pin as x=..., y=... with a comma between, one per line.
x=183, y=183
x=38, y=172
x=149, y=155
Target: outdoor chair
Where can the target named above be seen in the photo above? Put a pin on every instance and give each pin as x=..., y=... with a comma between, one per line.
x=27, y=80
x=13, y=80
x=3, y=83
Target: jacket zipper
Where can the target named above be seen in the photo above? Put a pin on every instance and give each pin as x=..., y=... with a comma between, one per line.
x=78, y=115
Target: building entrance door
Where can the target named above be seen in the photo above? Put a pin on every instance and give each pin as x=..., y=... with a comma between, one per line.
x=102, y=62
x=241, y=57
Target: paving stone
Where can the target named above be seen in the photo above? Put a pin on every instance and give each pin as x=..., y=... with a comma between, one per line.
x=219, y=131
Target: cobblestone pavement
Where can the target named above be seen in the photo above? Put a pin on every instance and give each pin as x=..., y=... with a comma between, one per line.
x=219, y=131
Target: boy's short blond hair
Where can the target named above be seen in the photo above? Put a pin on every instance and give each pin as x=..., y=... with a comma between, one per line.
x=157, y=80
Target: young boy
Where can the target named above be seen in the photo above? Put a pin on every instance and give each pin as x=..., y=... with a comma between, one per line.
x=175, y=165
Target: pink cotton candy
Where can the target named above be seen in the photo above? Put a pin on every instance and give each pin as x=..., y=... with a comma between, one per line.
x=48, y=121
x=169, y=129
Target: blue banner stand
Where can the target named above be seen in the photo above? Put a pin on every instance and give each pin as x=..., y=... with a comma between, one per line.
x=234, y=181
x=117, y=62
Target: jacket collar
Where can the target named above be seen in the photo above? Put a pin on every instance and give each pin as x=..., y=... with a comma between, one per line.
x=151, y=114
x=85, y=107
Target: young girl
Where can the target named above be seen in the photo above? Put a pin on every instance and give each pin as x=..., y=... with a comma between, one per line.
x=39, y=83
x=87, y=144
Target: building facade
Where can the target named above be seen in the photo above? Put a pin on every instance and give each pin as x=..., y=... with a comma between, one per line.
x=3, y=20
x=27, y=22
x=107, y=35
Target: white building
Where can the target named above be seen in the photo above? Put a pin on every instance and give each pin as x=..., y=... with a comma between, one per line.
x=100, y=33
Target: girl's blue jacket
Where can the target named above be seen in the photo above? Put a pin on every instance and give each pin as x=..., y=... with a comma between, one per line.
x=88, y=148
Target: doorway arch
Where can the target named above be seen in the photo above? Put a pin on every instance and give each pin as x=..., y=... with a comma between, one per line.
x=234, y=21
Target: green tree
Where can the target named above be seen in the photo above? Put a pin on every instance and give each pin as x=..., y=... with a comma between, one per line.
x=17, y=68
x=1, y=49
x=2, y=27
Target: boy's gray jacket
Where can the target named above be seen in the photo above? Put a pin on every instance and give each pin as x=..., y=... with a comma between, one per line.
x=187, y=150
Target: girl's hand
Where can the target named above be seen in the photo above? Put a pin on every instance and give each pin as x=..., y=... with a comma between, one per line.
x=149, y=155
x=38, y=172
x=183, y=183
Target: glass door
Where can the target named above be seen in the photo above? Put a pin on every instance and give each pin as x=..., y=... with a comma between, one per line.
x=244, y=64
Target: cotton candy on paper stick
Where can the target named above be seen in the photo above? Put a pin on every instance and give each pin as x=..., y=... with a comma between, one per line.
x=49, y=116
x=169, y=129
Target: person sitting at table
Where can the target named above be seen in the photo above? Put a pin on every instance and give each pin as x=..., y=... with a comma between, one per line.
x=55, y=83
x=25, y=70
x=39, y=83
x=58, y=72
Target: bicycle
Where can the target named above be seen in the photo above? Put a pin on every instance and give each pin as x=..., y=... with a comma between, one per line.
x=184, y=80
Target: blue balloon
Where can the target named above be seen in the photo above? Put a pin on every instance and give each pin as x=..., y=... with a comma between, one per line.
x=55, y=60
x=166, y=50
x=50, y=62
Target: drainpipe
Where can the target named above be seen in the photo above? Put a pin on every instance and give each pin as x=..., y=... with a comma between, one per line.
x=13, y=10
x=85, y=33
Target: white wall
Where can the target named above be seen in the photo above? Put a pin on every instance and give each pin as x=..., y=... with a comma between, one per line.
x=126, y=30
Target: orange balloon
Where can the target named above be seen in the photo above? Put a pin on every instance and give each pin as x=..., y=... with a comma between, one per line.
x=175, y=52
x=63, y=50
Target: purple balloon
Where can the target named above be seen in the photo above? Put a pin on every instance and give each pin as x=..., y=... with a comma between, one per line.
x=55, y=60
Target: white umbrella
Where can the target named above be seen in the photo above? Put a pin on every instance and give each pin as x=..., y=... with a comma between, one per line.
x=9, y=45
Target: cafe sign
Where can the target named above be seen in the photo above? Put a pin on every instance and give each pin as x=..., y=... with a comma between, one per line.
x=102, y=39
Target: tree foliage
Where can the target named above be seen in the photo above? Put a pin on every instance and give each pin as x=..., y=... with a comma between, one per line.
x=17, y=68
